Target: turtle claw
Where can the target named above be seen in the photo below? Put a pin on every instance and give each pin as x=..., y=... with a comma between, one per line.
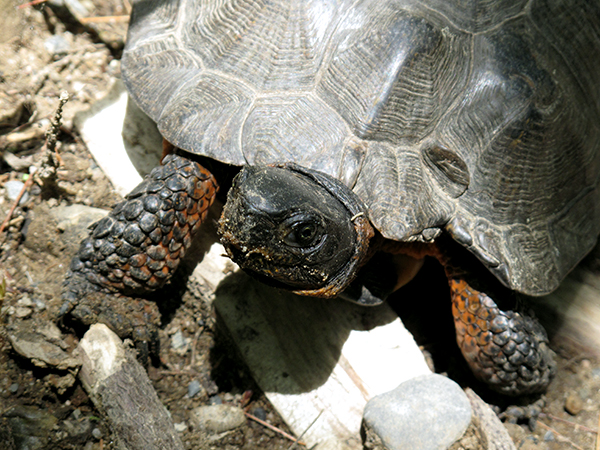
x=129, y=317
x=528, y=413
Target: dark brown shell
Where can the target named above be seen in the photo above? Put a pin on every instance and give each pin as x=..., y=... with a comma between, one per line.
x=482, y=118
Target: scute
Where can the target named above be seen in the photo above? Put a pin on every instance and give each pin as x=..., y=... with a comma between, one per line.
x=480, y=117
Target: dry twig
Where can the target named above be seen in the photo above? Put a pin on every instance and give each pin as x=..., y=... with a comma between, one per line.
x=275, y=429
x=293, y=446
x=104, y=19
x=33, y=3
x=575, y=425
x=26, y=186
x=49, y=163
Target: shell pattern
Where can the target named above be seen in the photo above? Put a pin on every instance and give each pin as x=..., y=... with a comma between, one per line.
x=480, y=117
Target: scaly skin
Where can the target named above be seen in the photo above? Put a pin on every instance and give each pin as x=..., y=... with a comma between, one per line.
x=137, y=247
x=504, y=347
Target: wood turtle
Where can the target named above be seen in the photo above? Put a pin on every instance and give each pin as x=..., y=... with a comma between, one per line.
x=364, y=128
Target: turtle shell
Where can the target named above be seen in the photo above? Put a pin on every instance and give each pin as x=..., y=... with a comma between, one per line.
x=478, y=117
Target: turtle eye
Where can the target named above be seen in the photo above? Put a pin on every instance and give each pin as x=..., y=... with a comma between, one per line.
x=302, y=234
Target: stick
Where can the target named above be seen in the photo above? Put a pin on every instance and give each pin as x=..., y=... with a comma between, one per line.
x=120, y=388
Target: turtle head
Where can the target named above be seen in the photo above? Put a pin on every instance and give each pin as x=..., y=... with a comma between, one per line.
x=295, y=228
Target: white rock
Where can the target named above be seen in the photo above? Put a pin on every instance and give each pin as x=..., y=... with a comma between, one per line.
x=218, y=418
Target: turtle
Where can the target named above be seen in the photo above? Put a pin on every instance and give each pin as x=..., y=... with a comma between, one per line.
x=358, y=129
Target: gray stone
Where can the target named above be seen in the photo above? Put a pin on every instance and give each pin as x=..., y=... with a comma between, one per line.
x=428, y=412
x=97, y=434
x=494, y=432
x=30, y=426
x=30, y=342
x=193, y=388
x=13, y=188
x=57, y=45
x=179, y=343
x=218, y=418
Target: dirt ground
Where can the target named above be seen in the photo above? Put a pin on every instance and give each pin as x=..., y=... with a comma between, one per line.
x=45, y=49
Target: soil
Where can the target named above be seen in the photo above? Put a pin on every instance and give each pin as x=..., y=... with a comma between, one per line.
x=50, y=50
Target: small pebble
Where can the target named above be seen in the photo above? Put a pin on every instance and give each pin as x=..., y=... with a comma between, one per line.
x=180, y=427
x=193, y=388
x=259, y=413
x=218, y=418
x=97, y=434
x=13, y=188
x=215, y=400
x=25, y=301
x=178, y=342
x=39, y=304
x=57, y=45
x=549, y=436
x=13, y=388
x=22, y=312
x=586, y=365
x=76, y=414
x=573, y=404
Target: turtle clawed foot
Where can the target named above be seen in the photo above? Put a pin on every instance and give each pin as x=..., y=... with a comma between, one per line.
x=129, y=317
x=527, y=413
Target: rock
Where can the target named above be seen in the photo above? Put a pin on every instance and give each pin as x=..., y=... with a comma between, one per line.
x=57, y=45
x=259, y=413
x=194, y=388
x=75, y=219
x=22, y=312
x=573, y=404
x=493, y=431
x=428, y=412
x=218, y=418
x=38, y=348
x=19, y=164
x=549, y=436
x=97, y=434
x=78, y=429
x=13, y=188
x=60, y=383
x=30, y=426
x=179, y=343
x=215, y=400
x=180, y=427
x=36, y=130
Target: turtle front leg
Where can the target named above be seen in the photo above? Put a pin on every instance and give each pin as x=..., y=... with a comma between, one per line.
x=137, y=247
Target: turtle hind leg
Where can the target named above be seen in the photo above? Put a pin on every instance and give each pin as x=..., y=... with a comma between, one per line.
x=505, y=348
x=137, y=247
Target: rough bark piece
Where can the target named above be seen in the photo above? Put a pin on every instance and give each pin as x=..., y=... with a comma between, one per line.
x=119, y=387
